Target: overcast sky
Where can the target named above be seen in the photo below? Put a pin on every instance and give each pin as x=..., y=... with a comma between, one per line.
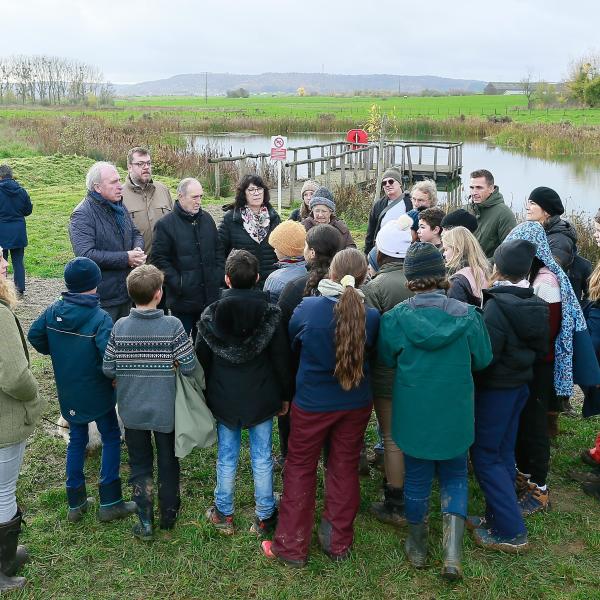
x=140, y=40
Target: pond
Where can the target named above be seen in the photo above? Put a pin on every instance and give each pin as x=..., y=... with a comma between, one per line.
x=576, y=178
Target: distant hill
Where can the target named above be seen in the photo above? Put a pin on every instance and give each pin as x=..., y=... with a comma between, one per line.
x=286, y=83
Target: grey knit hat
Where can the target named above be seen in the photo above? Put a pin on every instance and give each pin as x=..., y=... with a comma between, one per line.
x=423, y=260
x=322, y=196
x=393, y=173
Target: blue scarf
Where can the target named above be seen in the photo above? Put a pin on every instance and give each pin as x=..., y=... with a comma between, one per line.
x=116, y=207
x=571, y=313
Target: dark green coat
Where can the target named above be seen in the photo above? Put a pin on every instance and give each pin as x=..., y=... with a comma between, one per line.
x=434, y=342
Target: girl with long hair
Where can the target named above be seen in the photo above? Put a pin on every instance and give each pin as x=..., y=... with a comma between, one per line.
x=333, y=334
x=468, y=268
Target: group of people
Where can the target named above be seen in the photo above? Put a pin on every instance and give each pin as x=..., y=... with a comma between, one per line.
x=464, y=330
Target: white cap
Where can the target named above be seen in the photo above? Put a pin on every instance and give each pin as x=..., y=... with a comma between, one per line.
x=395, y=237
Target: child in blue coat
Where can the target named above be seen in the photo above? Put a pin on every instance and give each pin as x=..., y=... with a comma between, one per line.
x=74, y=331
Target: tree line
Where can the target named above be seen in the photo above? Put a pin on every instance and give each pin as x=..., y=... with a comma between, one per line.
x=52, y=80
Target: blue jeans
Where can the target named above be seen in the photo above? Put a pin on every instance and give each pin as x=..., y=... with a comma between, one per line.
x=261, y=459
x=18, y=266
x=452, y=474
x=108, y=426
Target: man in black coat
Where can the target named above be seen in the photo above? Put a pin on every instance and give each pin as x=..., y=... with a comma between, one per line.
x=185, y=249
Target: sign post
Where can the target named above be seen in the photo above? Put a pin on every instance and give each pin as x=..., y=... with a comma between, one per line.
x=278, y=153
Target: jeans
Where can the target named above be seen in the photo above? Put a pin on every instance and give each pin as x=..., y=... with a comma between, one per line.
x=108, y=426
x=17, y=256
x=497, y=413
x=261, y=459
x=452, y=474
x=11, y=459
x=189, y=322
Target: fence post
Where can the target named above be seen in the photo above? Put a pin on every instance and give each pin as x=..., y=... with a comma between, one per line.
x=343, y=170
x=311, y=166
x=217, y=180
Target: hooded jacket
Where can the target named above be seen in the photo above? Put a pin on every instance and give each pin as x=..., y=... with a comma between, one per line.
x=434, y=343
x=15, y=205
x=74, y=331
x=243, y=349
x=495, y=220
x=518, y=325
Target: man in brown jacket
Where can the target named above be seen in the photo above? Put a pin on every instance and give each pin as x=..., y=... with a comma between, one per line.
x=146, y=201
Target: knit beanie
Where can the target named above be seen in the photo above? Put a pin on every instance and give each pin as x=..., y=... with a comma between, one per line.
x=395, y=237
x=309, y=185
x=393, y=173
x=82, y=275
x=514, y=258
x=322, y=196
x=460, y=217
x=423, y=260
x=548, y=200
x=288, y=238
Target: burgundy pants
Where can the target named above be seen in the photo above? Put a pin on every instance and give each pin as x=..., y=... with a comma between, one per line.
x=345, y=430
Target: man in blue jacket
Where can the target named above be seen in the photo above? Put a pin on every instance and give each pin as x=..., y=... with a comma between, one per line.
x=101, y=229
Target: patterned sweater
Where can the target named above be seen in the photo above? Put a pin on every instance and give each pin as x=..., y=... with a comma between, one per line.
x=140, y=355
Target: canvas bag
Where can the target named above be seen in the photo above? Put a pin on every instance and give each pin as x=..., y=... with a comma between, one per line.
x=194, y=424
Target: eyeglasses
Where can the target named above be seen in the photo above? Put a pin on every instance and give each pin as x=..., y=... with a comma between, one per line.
x=254, y=190
x=141, y=163
x=388, y=182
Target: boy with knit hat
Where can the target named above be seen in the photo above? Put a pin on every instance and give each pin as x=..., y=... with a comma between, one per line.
x=288, y=240
x=434, y=343
x=74, y=331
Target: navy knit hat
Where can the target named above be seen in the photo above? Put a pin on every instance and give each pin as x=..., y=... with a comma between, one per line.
x=82, y=275
x=514, y=258
x=322, y=196
x=460, y=217
x=423, y=260
x=548, y=200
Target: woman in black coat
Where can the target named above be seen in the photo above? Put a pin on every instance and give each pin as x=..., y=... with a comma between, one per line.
x=248, y=223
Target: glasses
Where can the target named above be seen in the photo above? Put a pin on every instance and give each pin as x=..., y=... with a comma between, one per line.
x=388, y=182
x=254, y=190
x=141, y=163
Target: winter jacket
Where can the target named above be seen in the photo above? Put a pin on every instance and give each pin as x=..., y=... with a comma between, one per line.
x=312, y=335
x=233, y=236
x=290, y=297
x=347, y=240
x=461, y=288
x=74, y=331
x=579, y=274
x=186, y=250
x=434, y=343
x=591, y=403
x=518, y=325
x=562, y=239
x=146, y=206
x=376, y=215
x=94, y=233
x=285, y=272
x=15, y=205
x=21, y=405
x=495, y=220
x=243, y=349
x=295, y=215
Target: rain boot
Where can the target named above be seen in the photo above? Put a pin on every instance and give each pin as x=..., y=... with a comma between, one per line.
x=168, y=515
x=13, y=556
x=78, y=503
x=391, y=510
x=143, y=497
x=416, y=544
x=454, y=529
x=112, y=506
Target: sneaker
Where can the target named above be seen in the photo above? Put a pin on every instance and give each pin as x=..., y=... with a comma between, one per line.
x=534, y=500
x=264, y=527
x=266, y=547
x=143, y=531
x=475, y=522
x=486, y=538
x=591, y=489
x=521, y=483
x=222, y=523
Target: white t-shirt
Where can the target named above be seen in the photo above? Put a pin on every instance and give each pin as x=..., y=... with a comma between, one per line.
x=393, y=213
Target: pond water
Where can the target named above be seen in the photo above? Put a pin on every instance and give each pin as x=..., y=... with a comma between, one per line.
x=575, y=178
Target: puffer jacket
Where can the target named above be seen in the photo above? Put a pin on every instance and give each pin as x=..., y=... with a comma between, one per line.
x=95, y=234
x=186, y=250
x=15, y=205
x=562, y=239
x=347, y=240
x=233, y=236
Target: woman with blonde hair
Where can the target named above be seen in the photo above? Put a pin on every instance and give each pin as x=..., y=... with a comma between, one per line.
x=20, y=409
x=469, y=270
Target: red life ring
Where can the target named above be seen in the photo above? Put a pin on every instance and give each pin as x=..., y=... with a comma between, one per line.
x=357, y=136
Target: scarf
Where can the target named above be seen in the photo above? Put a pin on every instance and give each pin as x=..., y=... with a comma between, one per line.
x=116, y=207
x=572, y=317
x=256, y=224
x=333, y=289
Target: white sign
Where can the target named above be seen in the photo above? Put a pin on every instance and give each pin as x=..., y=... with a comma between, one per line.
x=278, y=147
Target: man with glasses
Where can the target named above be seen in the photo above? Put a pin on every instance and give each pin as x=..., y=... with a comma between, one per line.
x=147, y=201
x=393, y=204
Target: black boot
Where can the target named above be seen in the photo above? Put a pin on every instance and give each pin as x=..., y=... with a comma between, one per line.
x=416, y=544
x=143, y=497
x=454, y=529
x=78, y=503
x=112, y=506
x=324, y=534
x=168, y=514
x=391, y=510
x=12, y=556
